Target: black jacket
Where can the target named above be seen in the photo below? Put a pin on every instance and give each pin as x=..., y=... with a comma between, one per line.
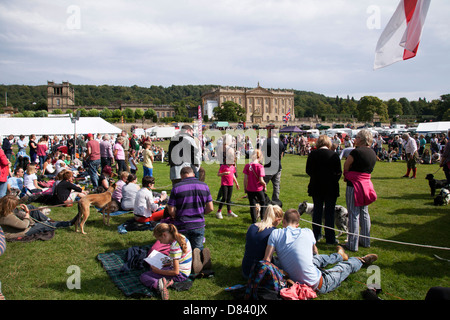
x=324, y=168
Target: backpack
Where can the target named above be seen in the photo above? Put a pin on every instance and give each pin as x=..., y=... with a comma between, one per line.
x=266, y=278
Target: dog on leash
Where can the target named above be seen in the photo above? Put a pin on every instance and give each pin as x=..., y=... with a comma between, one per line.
x=435, y=184
x=340, y=215
x=99, y=200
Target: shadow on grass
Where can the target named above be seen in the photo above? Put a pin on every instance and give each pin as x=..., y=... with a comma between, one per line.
x=433, y=233
x=411, y=196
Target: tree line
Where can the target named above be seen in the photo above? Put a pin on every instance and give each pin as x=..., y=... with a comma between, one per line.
x=32, y=100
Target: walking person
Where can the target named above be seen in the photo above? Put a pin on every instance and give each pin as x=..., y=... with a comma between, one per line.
x=411, y=155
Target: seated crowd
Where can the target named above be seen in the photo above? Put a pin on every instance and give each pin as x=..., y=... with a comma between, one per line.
x=180, y=232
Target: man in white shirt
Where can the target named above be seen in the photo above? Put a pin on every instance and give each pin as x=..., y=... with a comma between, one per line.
x=299, y=258
x=411, y=155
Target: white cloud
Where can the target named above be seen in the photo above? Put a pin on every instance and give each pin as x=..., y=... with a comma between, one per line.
x=323, y=46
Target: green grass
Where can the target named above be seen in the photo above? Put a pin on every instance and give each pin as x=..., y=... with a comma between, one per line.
x=403, y=212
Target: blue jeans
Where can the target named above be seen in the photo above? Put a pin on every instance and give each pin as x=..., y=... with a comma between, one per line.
x=3, y=189
x=148, y=171
x=195, y=237
x=333, y=277
x=93, y=171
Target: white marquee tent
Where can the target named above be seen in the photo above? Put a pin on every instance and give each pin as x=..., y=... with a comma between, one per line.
x=55, y=126
x=440, y=126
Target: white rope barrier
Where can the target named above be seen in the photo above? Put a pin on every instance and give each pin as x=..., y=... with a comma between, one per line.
x=373, y=238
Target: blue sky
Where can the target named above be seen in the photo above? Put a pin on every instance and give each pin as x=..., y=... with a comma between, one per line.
x=325, y=46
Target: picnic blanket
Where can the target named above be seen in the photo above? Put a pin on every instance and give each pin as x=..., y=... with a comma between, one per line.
x=116, y=213
x=125, y=267
x=127, y=280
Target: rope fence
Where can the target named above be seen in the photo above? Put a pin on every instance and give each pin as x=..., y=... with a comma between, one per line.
x=349, y=233
x=307, y=221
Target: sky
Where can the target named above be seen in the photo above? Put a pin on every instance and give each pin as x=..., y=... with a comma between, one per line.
x=325, y=46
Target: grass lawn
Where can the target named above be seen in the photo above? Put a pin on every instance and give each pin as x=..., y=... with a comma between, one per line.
x=403, y=212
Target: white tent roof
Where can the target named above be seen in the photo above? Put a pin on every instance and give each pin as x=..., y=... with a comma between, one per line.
x=441, y=126
x=55, y=126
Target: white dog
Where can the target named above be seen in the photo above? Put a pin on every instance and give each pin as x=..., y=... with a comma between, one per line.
x=340, y=215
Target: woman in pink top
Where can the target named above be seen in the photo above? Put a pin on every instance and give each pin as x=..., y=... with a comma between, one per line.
x=228, y=178
x=254, y=184
x=119, y=155
x=41, y=151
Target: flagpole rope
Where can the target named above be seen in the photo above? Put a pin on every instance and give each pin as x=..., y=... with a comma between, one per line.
x=349, y=233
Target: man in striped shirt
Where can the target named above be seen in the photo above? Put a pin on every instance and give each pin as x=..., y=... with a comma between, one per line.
x=189, y=201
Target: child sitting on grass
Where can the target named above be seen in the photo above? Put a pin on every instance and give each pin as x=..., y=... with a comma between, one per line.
x=178, y=269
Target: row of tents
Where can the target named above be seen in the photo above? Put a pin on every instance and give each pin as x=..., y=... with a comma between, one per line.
x=95, y=125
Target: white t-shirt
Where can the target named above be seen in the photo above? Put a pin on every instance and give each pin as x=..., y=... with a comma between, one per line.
x=144, y=204
x=28, y=181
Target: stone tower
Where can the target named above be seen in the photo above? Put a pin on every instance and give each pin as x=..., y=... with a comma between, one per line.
x=60, y=96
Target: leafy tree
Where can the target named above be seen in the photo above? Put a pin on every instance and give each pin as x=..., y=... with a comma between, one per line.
x=41, y=114
x=106, y=113
x=406, y=106
x=83, y=112
x=394, y=108
x=368, y=106
x=128, y=113
x=93, y=113
x=443, y=107
x=138, y=114
x=28, y=113
x=350, y=107
x=117, y=113
x=150, y=114
x=229, y=111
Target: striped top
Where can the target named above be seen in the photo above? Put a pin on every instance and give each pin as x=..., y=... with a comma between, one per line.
x=2, y=241
x=185, y=259
x=189, y=197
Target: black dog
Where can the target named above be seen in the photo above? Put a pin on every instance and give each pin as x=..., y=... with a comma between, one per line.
x=435, y=184
x=276, y=202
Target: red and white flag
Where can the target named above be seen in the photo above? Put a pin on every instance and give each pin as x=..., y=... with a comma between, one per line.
x=400, y=39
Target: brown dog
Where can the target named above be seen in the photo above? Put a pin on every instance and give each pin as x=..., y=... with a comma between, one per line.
x=111, y=206
x=97, y=199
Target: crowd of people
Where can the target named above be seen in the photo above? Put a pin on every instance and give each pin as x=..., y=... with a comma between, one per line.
x=389, y=148
x=180, y=231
